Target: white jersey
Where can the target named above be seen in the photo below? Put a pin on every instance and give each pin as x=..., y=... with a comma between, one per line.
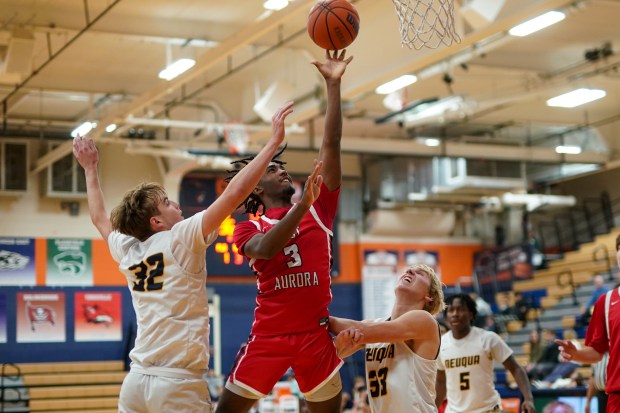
x=399, y=380
x=166, y=275
x=468, y=364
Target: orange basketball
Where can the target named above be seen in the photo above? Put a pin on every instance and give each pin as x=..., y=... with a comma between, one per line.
x=333, y=24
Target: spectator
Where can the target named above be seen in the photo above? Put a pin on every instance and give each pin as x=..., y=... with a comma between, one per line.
x=558, y=407
x=536, y=349
x=523, y=304
x=560, y=375
x=586, y=311
x=549, y=359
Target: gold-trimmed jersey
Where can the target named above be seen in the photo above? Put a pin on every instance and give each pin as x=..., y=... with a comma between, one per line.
x=399, y=380
x=166, y=275
x=468, y=364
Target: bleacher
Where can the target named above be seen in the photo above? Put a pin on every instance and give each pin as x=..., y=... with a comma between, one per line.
x=559, y=292
x=73, y=387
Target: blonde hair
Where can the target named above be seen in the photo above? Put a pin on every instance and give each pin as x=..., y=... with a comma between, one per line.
x=133, y=215
x=435, y=290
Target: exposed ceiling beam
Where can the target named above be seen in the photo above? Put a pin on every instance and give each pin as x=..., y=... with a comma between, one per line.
x=208, y=60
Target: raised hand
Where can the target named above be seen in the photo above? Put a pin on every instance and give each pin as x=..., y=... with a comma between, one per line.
x=334, y=66
x=312, y=188
x=277, y=121
x=85, y=151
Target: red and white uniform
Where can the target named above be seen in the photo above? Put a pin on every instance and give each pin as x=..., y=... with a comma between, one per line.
x=604, y=341
x=294, y=286
x=294, y=291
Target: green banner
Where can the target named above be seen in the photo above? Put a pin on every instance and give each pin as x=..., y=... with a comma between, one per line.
x=69, y=262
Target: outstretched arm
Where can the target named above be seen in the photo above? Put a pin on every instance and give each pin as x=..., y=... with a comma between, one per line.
x=523, y=382
x=267, y=245
x=332, y=70
x=244, y=182
x=586, y=354
x=85, y=151
x=415, y=324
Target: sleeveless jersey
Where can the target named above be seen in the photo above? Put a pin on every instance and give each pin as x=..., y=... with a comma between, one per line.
x=468, y=364
x=294, y=287
x=399, y=380
x=166, y=275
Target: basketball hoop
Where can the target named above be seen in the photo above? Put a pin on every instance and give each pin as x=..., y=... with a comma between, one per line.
x=426, y=23
x=237, y=138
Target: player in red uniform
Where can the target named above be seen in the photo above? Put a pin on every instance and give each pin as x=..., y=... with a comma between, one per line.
x=603, y=335
x=290, y=250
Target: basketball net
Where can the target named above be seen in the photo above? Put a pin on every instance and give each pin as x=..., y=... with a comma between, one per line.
x=426, y=23
x=237, y=139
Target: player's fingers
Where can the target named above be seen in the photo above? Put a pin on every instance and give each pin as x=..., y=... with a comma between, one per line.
x=342, y=54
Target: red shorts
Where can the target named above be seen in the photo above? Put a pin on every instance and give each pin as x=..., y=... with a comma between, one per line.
x=613, y=403
x=264, y=360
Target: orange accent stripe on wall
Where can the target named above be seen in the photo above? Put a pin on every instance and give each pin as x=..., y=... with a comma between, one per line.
x=105, y=269
x=350, y=270
x=40, y=260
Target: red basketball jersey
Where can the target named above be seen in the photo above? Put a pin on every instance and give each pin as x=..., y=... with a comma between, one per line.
x=294, y=287
x=604, y=340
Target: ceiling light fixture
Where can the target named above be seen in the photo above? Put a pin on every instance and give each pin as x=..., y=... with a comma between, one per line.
x=431, y=141
x=175, y=69
x=275, y=4
x=569, y=149
x=537, y=23
x=111, y=127
x=83, y=129
x=396, y=84
x=576, y=98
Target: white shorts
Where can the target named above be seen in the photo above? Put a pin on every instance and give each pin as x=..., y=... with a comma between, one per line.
x=143, y=392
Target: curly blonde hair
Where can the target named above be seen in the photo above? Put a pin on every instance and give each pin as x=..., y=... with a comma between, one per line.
x=132, y=216
x=435, y=290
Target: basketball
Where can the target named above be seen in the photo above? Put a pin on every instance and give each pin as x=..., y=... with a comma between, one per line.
x=333, y=24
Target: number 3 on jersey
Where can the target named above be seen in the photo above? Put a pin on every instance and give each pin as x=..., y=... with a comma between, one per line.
x=377, y=382
x=293, y=251
x=146, y=271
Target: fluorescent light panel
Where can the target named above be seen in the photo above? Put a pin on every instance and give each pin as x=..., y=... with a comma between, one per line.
x=275, y=4
x=177, y=68
x=83, y=129
x=537, y=23
x=576, y=97
x=396, y=84
x=570, y=149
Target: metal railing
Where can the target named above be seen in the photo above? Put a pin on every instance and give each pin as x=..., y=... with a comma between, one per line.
x=4, y=388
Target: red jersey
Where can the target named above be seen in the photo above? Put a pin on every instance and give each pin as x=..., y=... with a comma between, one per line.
x=294, y=287
x=597, y=338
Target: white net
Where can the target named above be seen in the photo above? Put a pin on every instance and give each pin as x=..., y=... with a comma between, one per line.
x=237, y=138
x=427, y=23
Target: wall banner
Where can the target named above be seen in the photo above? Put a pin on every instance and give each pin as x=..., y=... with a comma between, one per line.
x=17, y=262
x=69, y=262
x=41, y=317
x=98, y=316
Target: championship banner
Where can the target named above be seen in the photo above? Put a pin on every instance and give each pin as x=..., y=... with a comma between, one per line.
x=379, y=276
x=41, y=317
x=69, y=262
x=430, y=258
x=2, y=318
x=17, y=262
x=98, y=316
x=496, y=269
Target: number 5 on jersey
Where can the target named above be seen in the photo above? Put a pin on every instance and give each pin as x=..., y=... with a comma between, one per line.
x=377, y=382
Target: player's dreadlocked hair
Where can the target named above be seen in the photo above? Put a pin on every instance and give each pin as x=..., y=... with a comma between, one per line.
x=252, y=203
